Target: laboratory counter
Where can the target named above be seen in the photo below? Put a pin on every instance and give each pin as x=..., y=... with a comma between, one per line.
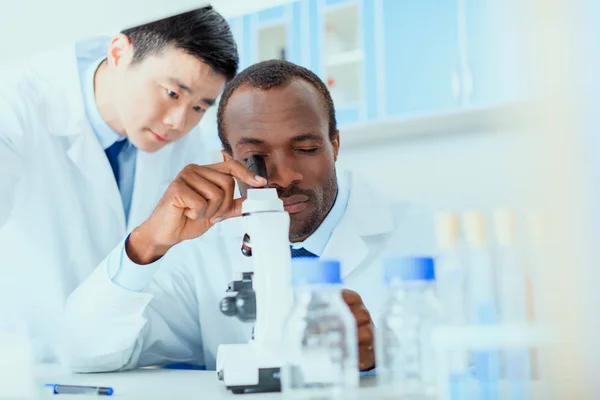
x=148, y=383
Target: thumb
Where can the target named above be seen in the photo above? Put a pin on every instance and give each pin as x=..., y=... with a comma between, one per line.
x=235, y=211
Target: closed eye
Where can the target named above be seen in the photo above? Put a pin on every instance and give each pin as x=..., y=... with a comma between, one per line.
x=245, y=159
x=311, y=150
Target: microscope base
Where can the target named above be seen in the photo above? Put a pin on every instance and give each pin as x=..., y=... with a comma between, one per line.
x=268, y=381
x=242, y=371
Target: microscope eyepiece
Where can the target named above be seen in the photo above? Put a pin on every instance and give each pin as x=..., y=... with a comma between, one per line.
x=256, y=164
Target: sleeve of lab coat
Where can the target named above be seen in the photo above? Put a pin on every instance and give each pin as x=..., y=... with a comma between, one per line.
x=108, y=328
x=12, y=128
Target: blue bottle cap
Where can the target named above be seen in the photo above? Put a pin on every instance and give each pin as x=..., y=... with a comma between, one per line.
x=312, y=271
x=409, y=268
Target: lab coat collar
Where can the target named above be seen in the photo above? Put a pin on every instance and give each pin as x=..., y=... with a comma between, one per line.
x=368, y=213
x=62, y=99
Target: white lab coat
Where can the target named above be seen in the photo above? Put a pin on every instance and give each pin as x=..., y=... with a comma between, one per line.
x=177, y=318
x=60, y=207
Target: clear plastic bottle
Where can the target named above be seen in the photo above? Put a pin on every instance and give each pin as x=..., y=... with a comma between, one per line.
x=406, y=363
x=320, y=343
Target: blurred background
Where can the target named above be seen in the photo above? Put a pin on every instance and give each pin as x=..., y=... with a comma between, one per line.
x=419, y=86
x=453, y=104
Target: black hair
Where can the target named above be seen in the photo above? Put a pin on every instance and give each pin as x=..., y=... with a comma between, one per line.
x=267, y=75
x=202, y=33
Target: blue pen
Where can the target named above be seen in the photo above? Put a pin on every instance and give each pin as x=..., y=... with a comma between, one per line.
x=75, y=389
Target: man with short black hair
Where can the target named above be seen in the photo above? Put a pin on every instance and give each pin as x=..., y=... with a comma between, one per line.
x=87, y=147
x=165, y=308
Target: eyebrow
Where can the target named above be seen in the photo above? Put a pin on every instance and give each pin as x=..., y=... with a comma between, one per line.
x=299, y=138
x=247, y=140
x=306, y=136
x=187, y=89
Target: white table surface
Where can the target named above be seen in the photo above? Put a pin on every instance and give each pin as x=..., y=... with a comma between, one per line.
x=164, y=384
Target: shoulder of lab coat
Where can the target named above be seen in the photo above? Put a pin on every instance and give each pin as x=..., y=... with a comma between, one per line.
x=374, y=225
x=30, y=90
x=12, y=139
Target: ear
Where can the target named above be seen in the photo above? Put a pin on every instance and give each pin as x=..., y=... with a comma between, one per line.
x=335, y=142
x=226, y=156
x=120, y=51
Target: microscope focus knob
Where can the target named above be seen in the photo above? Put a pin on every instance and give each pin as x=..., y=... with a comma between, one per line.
x=228, y=307
x=245, y=304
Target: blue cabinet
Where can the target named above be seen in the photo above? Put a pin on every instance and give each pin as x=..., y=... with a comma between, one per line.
x=343, y=57
x=384, y=59
x=271, y=15
x=494, y=52
x=313, y=36
x=373, y=60
x=421, y=56
x=272, y=33
x=241, y=28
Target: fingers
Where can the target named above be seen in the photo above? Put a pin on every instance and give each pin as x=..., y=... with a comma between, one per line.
x=240, y=172
x=364, y=324
x=187, y=198
x=366, y=357
x=365, y=335
x=362, y=315
x=215, y=183
x=211, y=192
x=214, y=186
x=236, y=209
x=351, y=297
x=366, y=352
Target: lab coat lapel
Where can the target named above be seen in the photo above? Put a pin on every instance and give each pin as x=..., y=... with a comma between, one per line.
x=66, y=117
x=89, y=157
x=150, y=181
x=346, y=246
x=367, y=214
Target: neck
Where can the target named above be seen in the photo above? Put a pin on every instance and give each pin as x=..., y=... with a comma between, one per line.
x=102, y=89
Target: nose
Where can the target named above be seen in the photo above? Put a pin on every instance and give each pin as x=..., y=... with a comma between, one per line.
x=282, y=171
x=175, y=118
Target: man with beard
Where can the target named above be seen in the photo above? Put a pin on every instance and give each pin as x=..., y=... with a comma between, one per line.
x=162, y=305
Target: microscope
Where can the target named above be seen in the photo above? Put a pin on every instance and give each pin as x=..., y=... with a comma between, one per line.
x=263, y=296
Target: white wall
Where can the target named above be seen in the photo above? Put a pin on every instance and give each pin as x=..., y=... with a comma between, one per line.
x=458, y=171
x=30, y=26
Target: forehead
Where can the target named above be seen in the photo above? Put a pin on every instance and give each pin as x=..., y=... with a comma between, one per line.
x=296, y=107
x=176, y=63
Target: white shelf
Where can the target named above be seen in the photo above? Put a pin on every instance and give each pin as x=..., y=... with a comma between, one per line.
x=472, y=120
x=272, y=42
x=344, y=58
x=341, y=31
x=338, y=7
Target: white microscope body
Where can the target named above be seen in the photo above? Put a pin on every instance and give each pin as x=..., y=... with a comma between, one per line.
x=255, y=366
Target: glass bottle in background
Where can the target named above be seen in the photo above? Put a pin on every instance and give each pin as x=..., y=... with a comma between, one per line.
x=451, y=284
x=406, y=363
x=512, y=304
x=481, y=302
x=320, y=338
